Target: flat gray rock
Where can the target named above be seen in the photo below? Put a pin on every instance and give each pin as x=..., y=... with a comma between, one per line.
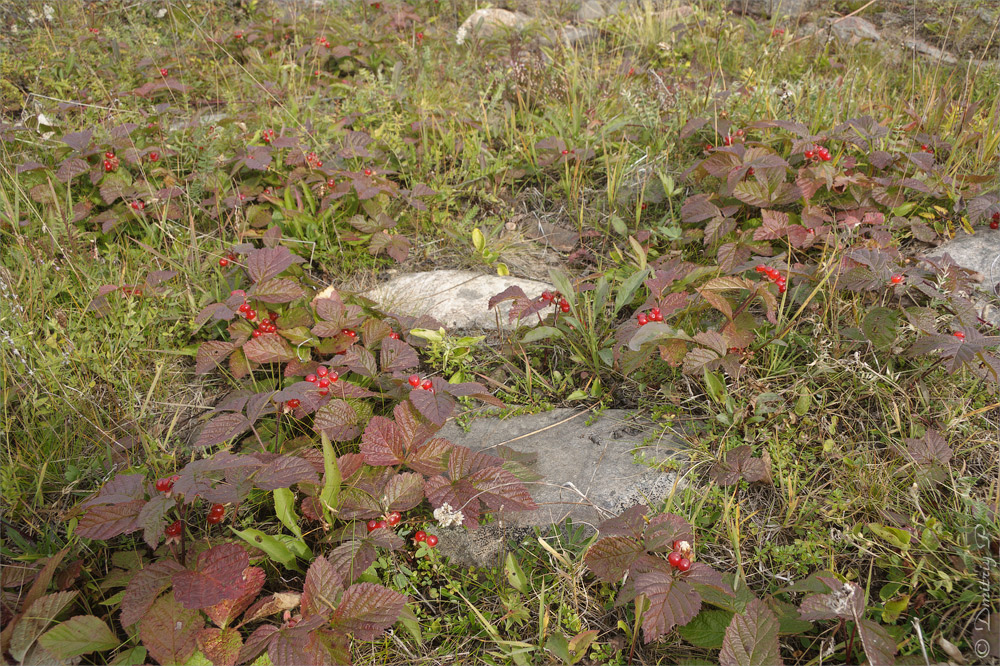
x=590, y=473
x=980, y=253
x=854, y=29
x=458, y=299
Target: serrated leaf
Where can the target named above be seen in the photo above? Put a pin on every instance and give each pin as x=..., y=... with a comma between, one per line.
x=283, y=472
x=436, y=406
x=146, y=585
x=612, y=556
x=106, y=521
x=226, y=611
x=217, y=577
x=268, y=349
x=707, y=629
x=322, y=587
x=671, y=602
x=929, y=449
x=878, y=643
x=366, y=610
x=404, y=491
x=211, y=354
x=168, y=631
x=268, y=262
x=277, y=290
x=221, y=646
x=42, y=612
x=79, y=635
x=396, y=356
x=221, y=429
x=151, y=518
x=699, y=208
x=752, y=638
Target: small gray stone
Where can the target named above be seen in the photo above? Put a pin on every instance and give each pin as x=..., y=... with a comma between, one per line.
x=930, y=51
x=483, y=23
x=854, y=29
x=457, y=299
x=590, y=10
x=589, y=473
x=980, y=253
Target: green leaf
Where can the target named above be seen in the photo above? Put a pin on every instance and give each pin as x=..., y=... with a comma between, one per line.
x=618, y=224
x=893, y=609
x=879, y=326
x=895, y=536
x=803, y=403
x=131, y=657
x=707, y=629
x=627, y=291
x=478, y=240
x=515, y=574
x=276, y=550
x=563, y=284
x=541, y=333
x=78, y=635
x=752, y=638
x=715, y=386
x=284, y=508
x=331, y=479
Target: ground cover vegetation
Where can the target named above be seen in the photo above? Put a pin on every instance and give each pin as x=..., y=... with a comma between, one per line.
x=204, y=463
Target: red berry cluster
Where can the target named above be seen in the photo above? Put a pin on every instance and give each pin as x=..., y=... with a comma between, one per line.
x=678, y=559
x=323, y=41
x=777, y=32
x=774, y=276
x=293, y=404
x=391, y=520
x=426, y=385
x=394, y=335
x=266, y=324
x=368, y=172
x=230, y=256
x=94, y=31
x=897, y=278
x=995, y=221
x=926, y=149
x=174, y=529
x=166, y=484
x=331, y=183
x=247, y=311
x=322, y=378
x=138, y=204
x=818, y=152
x=959, y=334
x=556, y=299
x=238, y=34
x=313, y=160
x=653, y=315
x=110, y=161
x=154, y=156
x=216, y=514
x=268, y=136
x=376, y=5
x=429, y=539
x=420, y=36
x=164, y=72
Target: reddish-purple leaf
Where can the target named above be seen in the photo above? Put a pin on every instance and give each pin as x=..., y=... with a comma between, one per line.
x=611, y=557
x=351, y=559
x=268, y=349
x=366, y=610
x=404, y=491
x=499, y=489
x=396, y=356
x=151, y=518
x=267, y=263
x=78, y=141
x=929, y=449
x=284, y=472
x=221, y=429
x=277, y=290
x=699, y=208
x=382, y=442
x=146, y=585
x=218, y=576
x=257, y=642
x=169, y=631
x=436, y=406
x=629, y=523
x=672, y=602
x=322, y=587
x=878, y=643
x=845, y=601
x=70, y=168
x=106, y=521
x=227, y=610
x=211, y=354
x=752, y=638
x=338, y=420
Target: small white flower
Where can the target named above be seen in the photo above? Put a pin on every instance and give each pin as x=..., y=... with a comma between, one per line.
x=447, y=516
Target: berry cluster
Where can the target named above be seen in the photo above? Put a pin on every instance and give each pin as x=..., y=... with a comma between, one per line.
x=393, y=335
x=368, y=172
x=226, y=259
x=138, y=204
x=110, y=161
x=556, y=299
x=925, y=148
x=390, y=520
x=313, y=160
x=653, y=315
x=331, y=183
x=216, y=514
x=323, y=41
x=266, y=325
x=174, y=529
x=817, y=152
x=420, y=37
x=774, y=276
x=164, y=72
x=897, y=278
x=245, y=309
x=426, y=385
x=680, y=557
x=322, y=378
x=268, y=136
x=959, y=334
x=166, y=484
x=429, y=539
x=153, y=156
x=995, y=221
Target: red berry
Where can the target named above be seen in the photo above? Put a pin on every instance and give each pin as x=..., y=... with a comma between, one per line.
x=109, y=155
x=643, y=319
x=214, y=518
x=761, y=268
x=217, y=508
x=368, y=172
x=164, y=485
x=251, y=315
x=995, y=221
x=293, y=404
x=727, y=141
x=154, y=156
x=333, y=376
x=432, y=540
x=896, y=279
x=420, y=536
x=420, y=36
x=323, y=383
x=740, y=133
x=674, y=558
x=244, y=308
x=311, y=379
x=324, y=391
x=381, y=524
x=223, y=262
x=923, y=147
x=547, y=296
x=676, y=545
x=349, y=333
x=322, y=371
x=163, y=71
x=394, y=335
x=959, y=334
x=372, y=525
x=257, y=333
x=414, y=381
x=174, y=529
x=684, y=564
x=394, y=518
x=426, y=384
x=565, y=152
x=564, y=305
x=808, y=154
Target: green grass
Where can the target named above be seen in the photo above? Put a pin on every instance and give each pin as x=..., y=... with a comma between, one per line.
x=83, y=395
